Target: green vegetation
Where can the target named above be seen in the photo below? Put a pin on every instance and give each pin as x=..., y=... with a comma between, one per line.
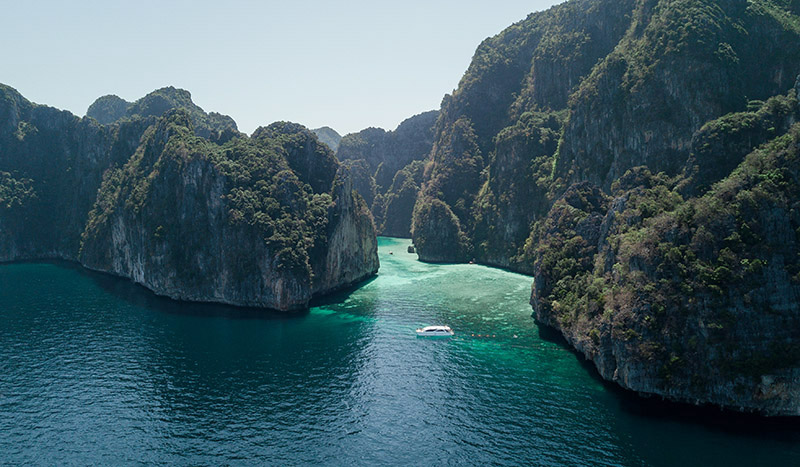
x=111, y=109
x=314, y=163
x=519, y=188
x=15, y=193
x=108, y=109
x=676, y=279
x=262, y=191
x=209, y=215
x=721, y=144
x=377, y=157
x=397, y=206
x=680, y=65
x=499, y=131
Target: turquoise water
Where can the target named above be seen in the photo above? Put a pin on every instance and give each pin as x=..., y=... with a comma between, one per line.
x=96, y=370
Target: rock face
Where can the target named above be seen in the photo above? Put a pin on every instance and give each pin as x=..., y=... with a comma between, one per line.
x=515, y=194
x=377, y=158
x=188, y=218
x=52, y=164
x=698, y=300
x=681, y=66
x=398, y=202
x=268, y=221
x=638, y=158
x=351, y=242
x=694, y=299
x=506, y=117
x=617, y=85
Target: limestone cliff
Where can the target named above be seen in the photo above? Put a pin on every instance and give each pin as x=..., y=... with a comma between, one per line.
x=60, y=160
x=515, y=90
x=516, y=192
x=696, y=301
x=268, y=221
x=623, y=84
x=351, y=242
x=679, y=66
x=376, y=157
x=398, y=202
x=637, y=157
x=249, y=222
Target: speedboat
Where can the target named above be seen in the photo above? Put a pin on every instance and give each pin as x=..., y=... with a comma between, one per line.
x=435, y=331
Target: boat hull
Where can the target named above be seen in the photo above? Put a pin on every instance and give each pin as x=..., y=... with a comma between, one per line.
x=434, y=334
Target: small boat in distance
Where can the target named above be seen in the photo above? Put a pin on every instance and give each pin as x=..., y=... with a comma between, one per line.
x=435, y=331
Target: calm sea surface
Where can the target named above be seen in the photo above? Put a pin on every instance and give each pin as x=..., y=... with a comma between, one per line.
x=95, y=370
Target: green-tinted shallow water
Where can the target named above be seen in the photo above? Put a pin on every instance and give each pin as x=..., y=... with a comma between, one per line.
x=95, y=370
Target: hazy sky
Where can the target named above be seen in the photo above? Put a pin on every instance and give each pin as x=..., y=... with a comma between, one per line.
x=346, y=64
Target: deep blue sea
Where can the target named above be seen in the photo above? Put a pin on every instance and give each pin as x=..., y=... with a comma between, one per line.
x=96, y=370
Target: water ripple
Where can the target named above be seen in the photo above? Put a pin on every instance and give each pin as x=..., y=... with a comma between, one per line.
x=95, y=371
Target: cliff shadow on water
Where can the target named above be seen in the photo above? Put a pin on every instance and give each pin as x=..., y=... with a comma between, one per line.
x=340, y=295
x=142, y=297
x=646, y=406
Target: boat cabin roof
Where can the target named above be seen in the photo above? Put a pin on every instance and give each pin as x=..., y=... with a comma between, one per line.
x=436, y=329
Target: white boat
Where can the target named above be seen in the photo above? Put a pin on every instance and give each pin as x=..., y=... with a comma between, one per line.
x=435, y=331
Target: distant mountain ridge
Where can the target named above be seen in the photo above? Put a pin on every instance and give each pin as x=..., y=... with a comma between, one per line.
x=387, y=168
x=328, y=136
x=111, y=109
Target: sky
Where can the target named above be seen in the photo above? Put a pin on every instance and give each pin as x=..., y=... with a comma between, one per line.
x=344, y=64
